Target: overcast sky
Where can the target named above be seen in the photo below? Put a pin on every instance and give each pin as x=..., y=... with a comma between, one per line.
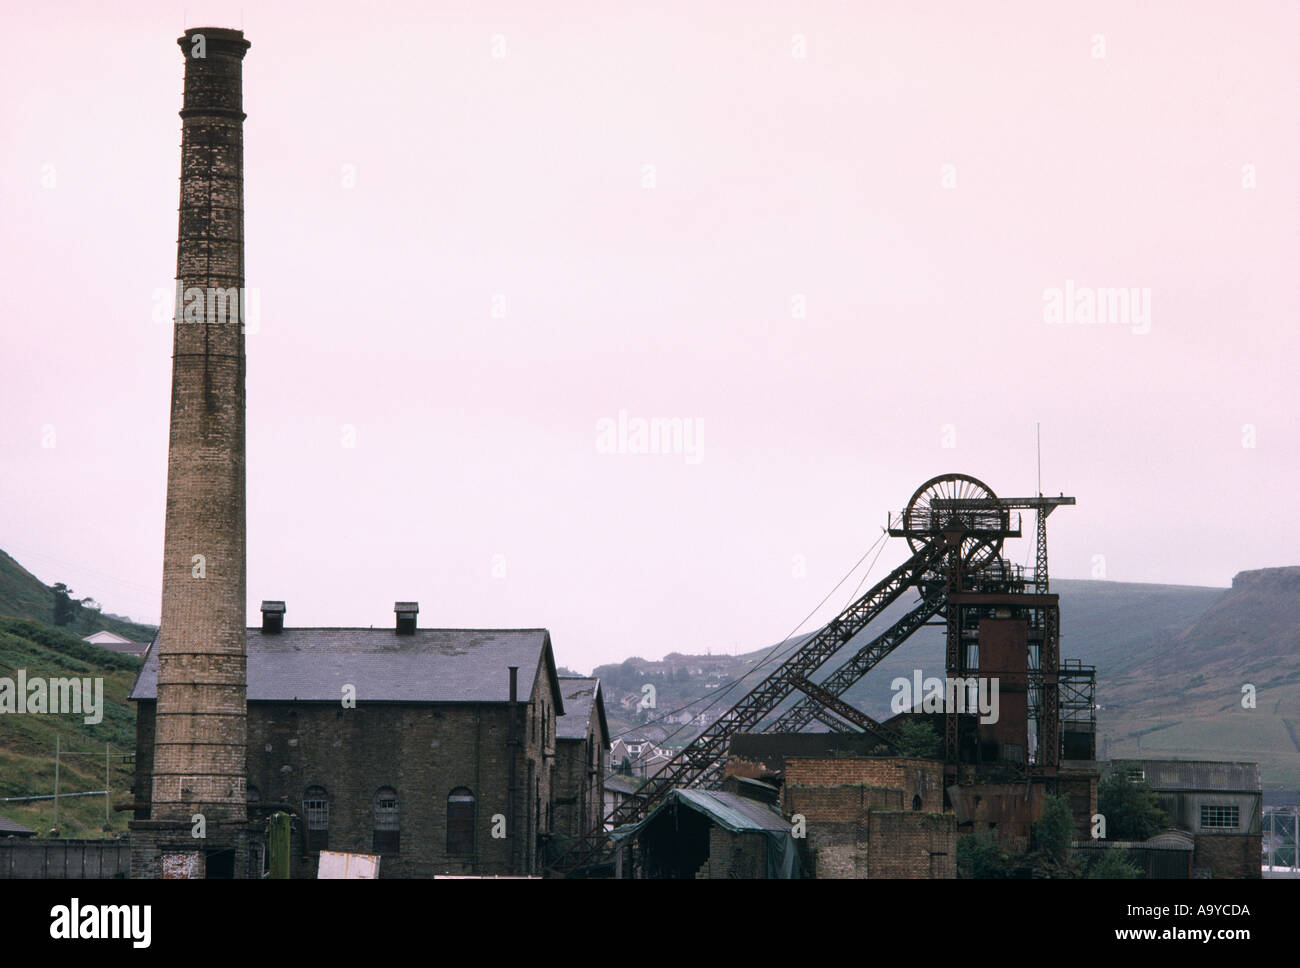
x=830, y=238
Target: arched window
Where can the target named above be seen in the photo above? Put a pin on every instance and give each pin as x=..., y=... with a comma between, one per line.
x=916, y=803
x=316, y=817
x=460, y=822
x=387, y=821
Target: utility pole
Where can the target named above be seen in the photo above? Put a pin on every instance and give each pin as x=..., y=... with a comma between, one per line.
x=107, y=786
x=57, y=749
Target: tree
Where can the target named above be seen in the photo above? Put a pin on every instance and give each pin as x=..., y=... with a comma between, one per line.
x=1053, y=833
x=917, y=738
x=65, y=606
x=1131, y=808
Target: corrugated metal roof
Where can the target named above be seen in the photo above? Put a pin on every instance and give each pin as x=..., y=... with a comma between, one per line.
x=728, y=810
x=1197, y=775
x=431, y=665
x=738, y=814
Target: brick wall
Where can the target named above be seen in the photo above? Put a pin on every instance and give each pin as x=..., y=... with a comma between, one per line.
x=571, y=806
x=838, y=804
x=912, y=845
x=860, y=821
x=916, y=778
x=735, y=855
x=580, y=767
x=423, y=751
x=1228, y=855
x=200, y=730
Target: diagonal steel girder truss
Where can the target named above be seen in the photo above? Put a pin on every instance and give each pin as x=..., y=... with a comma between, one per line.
x=858, y=665
x=825, y=695
x=848, y=713
x=698, y=758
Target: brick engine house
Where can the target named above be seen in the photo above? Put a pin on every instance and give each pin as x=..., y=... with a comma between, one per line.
x=434, y=748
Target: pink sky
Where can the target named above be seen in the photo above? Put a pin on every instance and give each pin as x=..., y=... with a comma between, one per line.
x=775, y=176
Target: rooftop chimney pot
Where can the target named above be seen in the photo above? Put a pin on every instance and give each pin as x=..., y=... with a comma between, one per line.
x=272, y=617
x=406, y=612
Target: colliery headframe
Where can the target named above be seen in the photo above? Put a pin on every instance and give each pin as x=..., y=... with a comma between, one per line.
x=1002, y=623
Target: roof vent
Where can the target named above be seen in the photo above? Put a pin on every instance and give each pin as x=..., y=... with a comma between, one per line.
x=272, y=618
x=406, y=612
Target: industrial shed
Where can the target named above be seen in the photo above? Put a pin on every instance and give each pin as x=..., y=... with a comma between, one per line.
x=715, y=835
x=1218, y=803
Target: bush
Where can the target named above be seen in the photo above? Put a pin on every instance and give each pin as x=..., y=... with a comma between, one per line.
x=980, y=857
x=1111, y=864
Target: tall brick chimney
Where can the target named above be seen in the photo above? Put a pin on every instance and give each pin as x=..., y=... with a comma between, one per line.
x=201, y=728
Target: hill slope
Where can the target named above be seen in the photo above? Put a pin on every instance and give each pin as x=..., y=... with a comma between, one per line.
x=23, y=595
x=1182, y=696
x=28, y=740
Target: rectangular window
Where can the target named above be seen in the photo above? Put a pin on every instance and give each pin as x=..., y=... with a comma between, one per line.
x=387, y=822
x=460, y=822
x=1221, y=818
x=318, y=821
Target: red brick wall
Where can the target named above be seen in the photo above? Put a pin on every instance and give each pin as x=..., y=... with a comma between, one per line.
x=907, y=844
x=923, y=778
x=838, y=804
x=1228, y=855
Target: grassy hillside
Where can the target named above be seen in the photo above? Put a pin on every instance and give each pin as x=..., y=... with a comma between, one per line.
x=27, y=740
x=1181, y=696
x=23, y=595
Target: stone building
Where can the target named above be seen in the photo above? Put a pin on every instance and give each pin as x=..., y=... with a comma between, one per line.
x=581, y=757
x=435, y=748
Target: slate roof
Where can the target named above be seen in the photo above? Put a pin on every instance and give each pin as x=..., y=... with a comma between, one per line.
x=9, y=828
x=1193, y=775
x=580, y=694
x=431, y=665
x=625, y=785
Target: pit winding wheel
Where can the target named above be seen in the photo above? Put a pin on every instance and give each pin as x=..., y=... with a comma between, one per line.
x=975, y=551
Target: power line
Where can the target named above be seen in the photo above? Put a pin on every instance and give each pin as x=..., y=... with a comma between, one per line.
x=785, y=646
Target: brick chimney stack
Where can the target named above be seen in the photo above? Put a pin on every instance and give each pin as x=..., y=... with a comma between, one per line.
x=201, y=737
